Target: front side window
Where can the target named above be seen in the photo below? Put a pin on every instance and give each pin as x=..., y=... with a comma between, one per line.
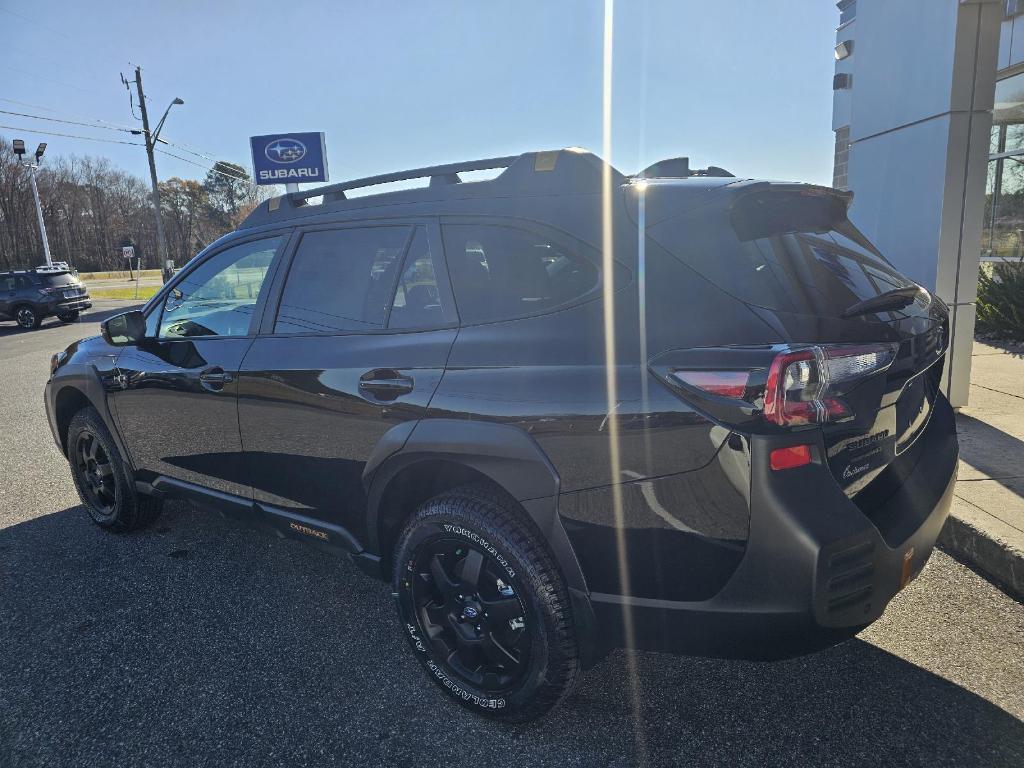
x=501, y=272
x=219, y=296
x=341, y=280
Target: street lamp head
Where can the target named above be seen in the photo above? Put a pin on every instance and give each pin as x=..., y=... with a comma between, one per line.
x=178, y=101
x=39, y=150
x=19, y=147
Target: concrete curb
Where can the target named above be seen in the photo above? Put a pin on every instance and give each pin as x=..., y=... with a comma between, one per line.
x=987, y=543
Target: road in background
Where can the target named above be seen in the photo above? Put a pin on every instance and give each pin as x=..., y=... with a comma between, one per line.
x=199, y=642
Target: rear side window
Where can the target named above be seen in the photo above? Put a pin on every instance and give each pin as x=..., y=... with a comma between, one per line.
x=341, y=280
x=15, y=282
x=501, y=272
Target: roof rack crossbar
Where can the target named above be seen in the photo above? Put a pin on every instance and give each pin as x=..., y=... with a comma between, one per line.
x=439, y=175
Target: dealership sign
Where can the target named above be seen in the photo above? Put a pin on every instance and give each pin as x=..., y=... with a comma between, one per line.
x=289, y=158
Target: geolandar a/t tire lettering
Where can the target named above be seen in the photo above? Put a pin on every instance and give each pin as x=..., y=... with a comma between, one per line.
x=483, y=606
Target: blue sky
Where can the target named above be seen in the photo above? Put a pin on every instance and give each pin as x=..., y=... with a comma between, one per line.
x=742, y=84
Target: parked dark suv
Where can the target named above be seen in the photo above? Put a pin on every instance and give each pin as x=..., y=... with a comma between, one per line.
x=29, y=296
x=562, y=410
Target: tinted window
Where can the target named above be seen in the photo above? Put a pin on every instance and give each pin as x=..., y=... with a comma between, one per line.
x=417, y=302
x=791, y=253
x=218, y=297
x=15, y=282
x=341, y=280
x=58, y=280
x=502, y=272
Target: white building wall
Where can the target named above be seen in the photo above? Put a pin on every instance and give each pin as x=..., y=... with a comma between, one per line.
x=920, y=115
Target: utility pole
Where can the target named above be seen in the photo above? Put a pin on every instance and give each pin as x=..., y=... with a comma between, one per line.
x=151, y=138
x=161, y=244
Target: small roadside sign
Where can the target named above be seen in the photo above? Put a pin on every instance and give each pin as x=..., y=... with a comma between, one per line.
x=128, y=252
x=289, y=158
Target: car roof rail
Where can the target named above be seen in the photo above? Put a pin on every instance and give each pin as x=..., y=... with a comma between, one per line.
x=679, y=168
x=559, y=171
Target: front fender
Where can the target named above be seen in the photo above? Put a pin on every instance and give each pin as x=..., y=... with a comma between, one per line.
x=92, y=384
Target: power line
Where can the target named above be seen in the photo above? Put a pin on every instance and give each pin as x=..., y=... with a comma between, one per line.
x=69, y=135
x=200, y=165
x=69, y=122
x=97, y=123
x=36, y=23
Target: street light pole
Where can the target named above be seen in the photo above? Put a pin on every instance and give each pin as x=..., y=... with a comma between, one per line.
x=151, y=140
x=19, y=150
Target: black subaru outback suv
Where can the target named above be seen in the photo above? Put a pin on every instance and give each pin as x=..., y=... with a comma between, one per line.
x=29, y=296
x=561, y=410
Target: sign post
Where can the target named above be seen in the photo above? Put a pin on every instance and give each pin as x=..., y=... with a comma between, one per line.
x=289, y=158
x=128, y=252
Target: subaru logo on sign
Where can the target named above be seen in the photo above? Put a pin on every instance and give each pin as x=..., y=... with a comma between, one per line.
x=289, y=158
x=285, y=151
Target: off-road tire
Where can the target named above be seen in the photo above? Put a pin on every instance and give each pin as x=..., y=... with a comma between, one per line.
x=488, y=522
x=127, y=510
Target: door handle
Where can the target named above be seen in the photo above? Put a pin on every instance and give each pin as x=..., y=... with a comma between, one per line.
x=215, y=378
x=385, y=384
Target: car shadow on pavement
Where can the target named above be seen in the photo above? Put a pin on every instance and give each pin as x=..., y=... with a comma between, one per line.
x=199, y=641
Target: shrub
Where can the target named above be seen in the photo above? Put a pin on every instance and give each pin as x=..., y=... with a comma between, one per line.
x=1001, y=300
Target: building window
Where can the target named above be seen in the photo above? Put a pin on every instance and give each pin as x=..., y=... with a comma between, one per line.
x=1003, y=226
x=842, y=80
x=842, y=156
x=848, y=11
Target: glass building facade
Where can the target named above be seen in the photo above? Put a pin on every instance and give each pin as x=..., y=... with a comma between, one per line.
x=1003, y=227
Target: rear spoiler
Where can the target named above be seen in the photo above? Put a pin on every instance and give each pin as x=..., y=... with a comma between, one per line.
x=767, y=208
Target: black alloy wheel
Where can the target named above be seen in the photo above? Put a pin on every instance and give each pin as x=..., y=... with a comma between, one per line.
x=27, y=318
x=104, y=482
x=471, y=617
x=96, y=472
x=483, y=605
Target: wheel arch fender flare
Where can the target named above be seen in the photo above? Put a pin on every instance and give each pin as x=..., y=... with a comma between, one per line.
x=85, y=379
x=505, y=454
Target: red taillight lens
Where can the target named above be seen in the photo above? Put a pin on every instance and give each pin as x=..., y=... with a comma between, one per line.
x=804, y=385
x=789, y=458
x=722, y=383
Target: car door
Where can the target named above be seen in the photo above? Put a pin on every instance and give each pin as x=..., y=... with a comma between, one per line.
x=177, y=409
x=354, y=343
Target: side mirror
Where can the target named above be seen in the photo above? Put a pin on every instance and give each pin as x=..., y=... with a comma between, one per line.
x=125, y=329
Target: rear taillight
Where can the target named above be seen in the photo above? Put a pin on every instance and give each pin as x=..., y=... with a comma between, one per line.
x=722, y=383
x=803, y=385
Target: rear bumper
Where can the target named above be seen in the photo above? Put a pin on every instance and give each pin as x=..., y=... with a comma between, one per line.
x=817, y=569
x=71, y=305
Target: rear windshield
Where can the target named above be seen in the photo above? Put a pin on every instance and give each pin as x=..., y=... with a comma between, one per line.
x=788, y=252
x=56, y=281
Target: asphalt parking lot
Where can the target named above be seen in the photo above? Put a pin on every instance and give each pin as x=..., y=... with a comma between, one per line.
x=199, y=643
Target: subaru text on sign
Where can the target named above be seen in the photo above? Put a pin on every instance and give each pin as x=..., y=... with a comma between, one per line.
x=289, y=158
